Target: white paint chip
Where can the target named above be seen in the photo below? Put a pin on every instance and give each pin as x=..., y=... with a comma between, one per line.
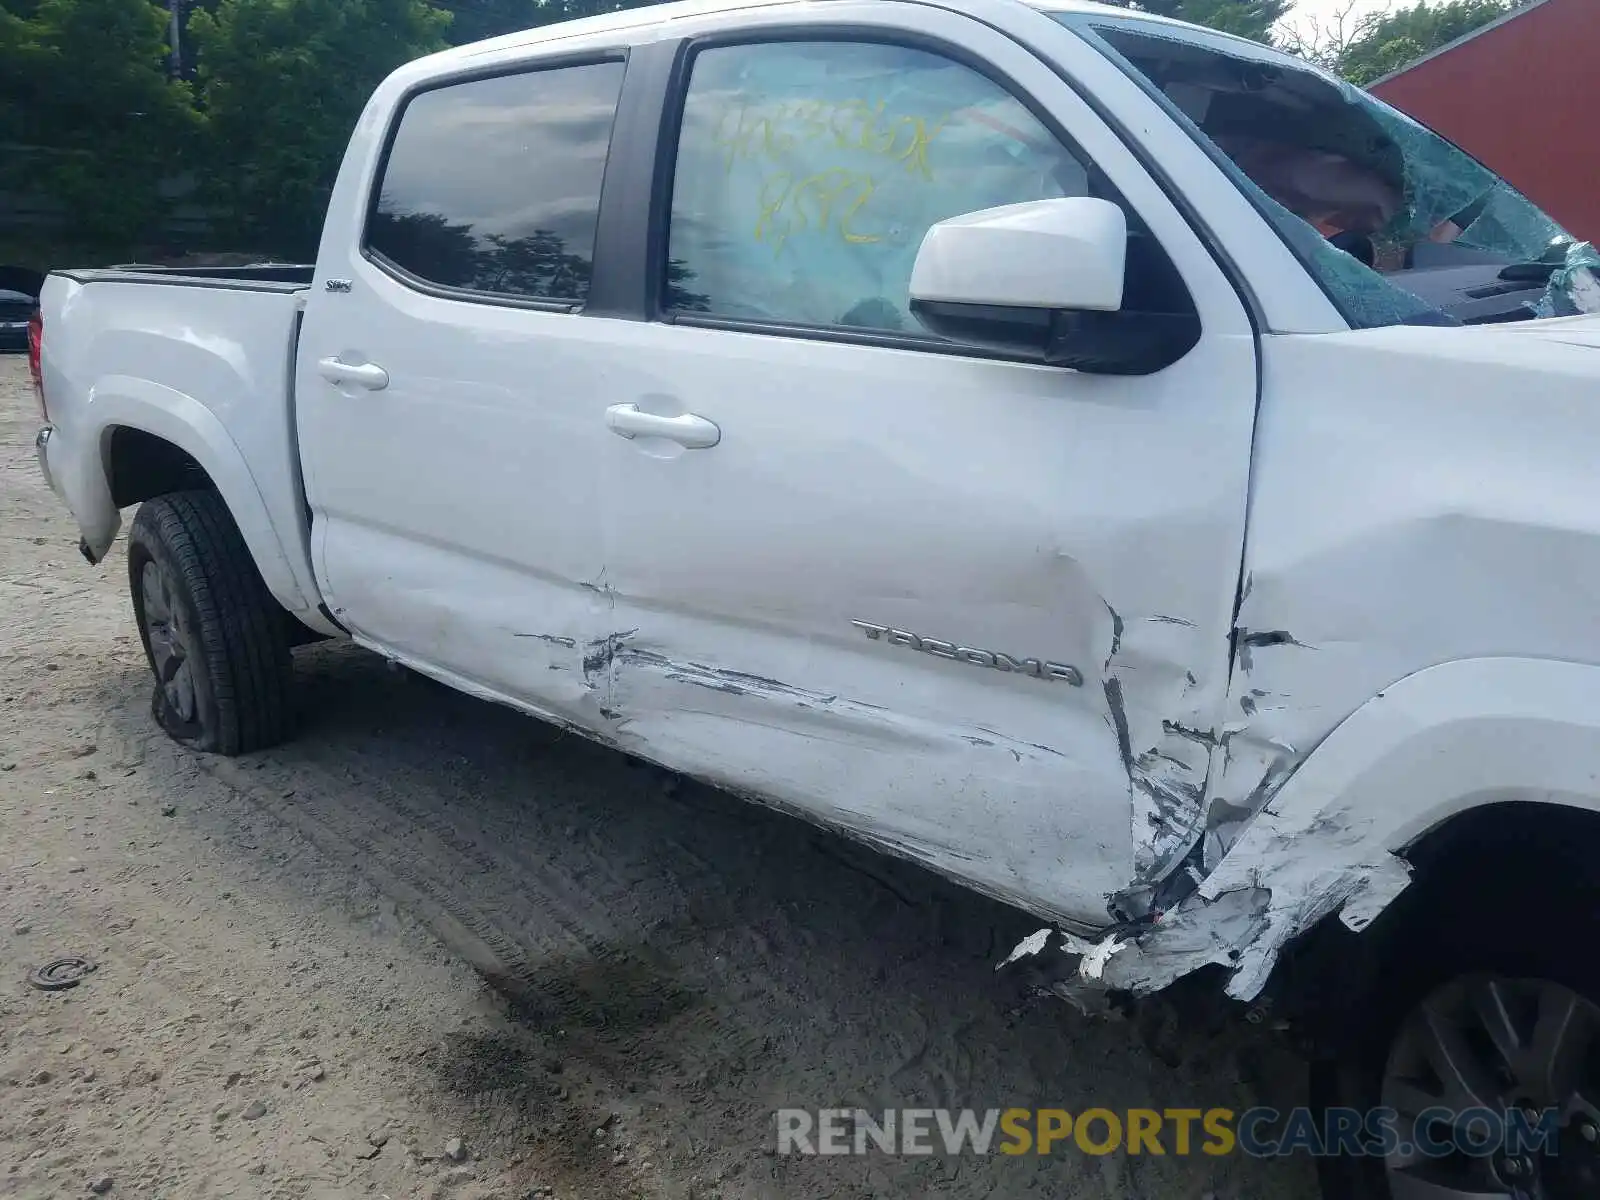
x=1033, y=944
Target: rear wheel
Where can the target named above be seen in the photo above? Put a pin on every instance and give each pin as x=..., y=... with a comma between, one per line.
x=216, y=640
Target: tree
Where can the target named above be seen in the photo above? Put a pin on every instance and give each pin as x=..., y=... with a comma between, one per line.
x=1247, y=18
x=1398, y=38
x=1365, y=47
x=84, y=86
x=16, y=70
x=1325, y=40
x=281, y=83
x=474, y=20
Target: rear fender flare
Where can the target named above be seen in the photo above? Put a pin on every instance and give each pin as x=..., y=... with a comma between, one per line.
x=124, y=402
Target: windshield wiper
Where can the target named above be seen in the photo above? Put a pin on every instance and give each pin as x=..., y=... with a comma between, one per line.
x=1528, y=272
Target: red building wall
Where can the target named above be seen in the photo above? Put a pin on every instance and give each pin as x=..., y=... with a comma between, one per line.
x=1524, y=98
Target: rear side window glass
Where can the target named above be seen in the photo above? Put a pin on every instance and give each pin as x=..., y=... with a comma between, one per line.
x=808, y=173
x=493, y=186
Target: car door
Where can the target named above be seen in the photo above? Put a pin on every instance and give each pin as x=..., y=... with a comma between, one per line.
x=974, y=608
x=445, y=378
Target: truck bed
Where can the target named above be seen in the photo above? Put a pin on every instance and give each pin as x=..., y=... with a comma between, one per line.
x=277, y=276
x=202, y=358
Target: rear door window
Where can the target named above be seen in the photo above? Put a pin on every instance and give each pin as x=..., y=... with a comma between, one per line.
x=492, y=186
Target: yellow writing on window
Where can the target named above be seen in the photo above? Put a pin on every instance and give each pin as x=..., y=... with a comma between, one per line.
x=826, y=201
x=774, y=131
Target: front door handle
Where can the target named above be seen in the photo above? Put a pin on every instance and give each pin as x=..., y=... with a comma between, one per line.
x=368, y=375
x=697, y=433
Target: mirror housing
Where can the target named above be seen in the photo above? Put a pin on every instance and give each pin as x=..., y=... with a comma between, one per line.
x=1043, y=278
x=1066, y=254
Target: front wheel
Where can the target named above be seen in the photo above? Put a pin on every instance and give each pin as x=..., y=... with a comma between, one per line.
x=215, y=638
x=1481, y=1040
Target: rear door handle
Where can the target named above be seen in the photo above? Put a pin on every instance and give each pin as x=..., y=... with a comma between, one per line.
x=368, y=375
x=697, y=433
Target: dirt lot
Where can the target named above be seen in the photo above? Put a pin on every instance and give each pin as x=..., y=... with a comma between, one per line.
x=431, y=919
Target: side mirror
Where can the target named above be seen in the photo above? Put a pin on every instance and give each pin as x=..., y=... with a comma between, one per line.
x=1046, y=254
x=1045, y=278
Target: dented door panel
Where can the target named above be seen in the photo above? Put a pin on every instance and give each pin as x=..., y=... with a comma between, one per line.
x=840, y=494
x=454, y=503
x=984, y=518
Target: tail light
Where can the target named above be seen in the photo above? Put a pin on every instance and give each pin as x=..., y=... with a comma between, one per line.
x=36, y=358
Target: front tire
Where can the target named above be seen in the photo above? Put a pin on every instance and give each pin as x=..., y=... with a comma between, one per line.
x=213, y=635
x=1477, y=1003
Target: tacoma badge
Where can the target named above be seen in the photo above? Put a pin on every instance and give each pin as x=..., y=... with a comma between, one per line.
x=1038, y=668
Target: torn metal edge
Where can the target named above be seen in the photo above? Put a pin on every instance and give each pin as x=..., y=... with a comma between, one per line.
x=1242, y=916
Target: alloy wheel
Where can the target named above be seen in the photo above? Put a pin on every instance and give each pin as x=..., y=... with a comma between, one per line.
x=1481, y=1050
x=172, y=641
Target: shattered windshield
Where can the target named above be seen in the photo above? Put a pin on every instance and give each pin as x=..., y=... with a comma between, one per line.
x=1397, y=224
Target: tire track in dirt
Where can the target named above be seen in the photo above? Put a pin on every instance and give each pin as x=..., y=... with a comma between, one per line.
x=716, y=959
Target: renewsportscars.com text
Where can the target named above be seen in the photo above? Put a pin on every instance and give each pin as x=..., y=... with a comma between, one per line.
x=1257, y=1132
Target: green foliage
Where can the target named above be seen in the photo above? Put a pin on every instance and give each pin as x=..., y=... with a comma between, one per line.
x=474, y=20
x=281, y=83
x=1247, y=18
x=85, y=82
x=91, y=120
x=15, y=38
x=1395, y=39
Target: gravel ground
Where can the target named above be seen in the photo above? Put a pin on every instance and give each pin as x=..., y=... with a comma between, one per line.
x=434, y=948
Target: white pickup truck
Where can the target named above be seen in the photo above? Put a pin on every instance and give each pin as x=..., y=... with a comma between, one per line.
x=1110, y=462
